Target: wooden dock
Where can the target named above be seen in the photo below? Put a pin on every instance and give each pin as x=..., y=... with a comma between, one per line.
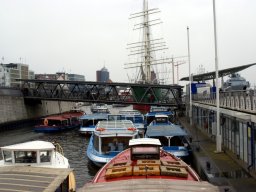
x=26, y=178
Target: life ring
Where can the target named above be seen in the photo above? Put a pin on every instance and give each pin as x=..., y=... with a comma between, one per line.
x=100, y=129
x=131, y=129
x=46, y=122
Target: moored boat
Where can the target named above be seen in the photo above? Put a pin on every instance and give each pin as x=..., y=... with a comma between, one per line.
x=99, y=108
x=155, y=110
x=35, y=155
x=136, y=117
x=54, y=123
x=89, y=122
x=174, y=138
x=144, y=166
x=108, y=139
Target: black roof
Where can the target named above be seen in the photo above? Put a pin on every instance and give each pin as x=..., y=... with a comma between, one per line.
x=222, y=73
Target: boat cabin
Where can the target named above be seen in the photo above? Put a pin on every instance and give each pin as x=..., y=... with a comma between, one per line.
x=113, y=136
x=55, y=121
x=34, y=152
x=160, y=120
x=145, y=148
x=151, y=116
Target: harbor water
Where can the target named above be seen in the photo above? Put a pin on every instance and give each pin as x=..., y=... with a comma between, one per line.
x=73, y=143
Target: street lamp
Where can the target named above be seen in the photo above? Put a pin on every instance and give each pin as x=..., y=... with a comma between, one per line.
x=218, y=136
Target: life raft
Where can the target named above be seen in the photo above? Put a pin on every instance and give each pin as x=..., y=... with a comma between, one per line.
x=121, y=164
x=149, y=162
x=118, y=172
x=173, y=163
x=174, y=171
x=146, y=170
x=45, y=122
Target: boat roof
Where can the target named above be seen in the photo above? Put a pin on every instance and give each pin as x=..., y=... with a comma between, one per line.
x=26, y=178
x=59, y=118
x=30, y=145
x=149, y=114
x=117, y=124
x=160, y=115
x=165, y=130
x=150, y=185
x=95, y=116
x=130, y=112
x=144, y=141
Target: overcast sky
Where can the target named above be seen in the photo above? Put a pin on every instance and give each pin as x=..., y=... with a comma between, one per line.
x=81, y=36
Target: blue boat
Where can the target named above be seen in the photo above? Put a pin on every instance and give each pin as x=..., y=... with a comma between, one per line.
x=136, y=117
x=89, y=122
x=56, y=123
x=155, y=110
x=174, y=138
x=110, y=138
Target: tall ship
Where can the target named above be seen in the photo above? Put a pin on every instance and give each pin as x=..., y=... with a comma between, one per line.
x=144, y=56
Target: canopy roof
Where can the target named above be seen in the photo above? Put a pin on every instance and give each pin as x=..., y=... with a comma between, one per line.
x=222, y=73
x=31, y=145
x=165, y=130
x=95, y=116
x=144, y=141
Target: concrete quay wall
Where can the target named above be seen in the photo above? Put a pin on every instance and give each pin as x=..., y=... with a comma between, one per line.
x=13, y=108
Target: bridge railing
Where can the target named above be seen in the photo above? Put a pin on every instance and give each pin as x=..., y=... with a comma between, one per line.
x=235, y=100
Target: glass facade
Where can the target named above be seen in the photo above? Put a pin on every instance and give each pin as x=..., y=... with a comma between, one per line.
x=238, y=135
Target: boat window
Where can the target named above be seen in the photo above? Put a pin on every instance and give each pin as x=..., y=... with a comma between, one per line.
x=176, y=141
x=25, y=156
x=96, y=142
x=87, y=123
x=138, y=119
x=161, y=120
x=149, y=119
x=45, y=156
x=139, y=152
x=7, y=156
x=114, y=144
x=130, y=118
x=54, y=122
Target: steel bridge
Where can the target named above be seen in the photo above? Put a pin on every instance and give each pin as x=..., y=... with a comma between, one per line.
x=101, y=92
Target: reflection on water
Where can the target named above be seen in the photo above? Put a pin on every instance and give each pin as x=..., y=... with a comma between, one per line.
x=73, y=143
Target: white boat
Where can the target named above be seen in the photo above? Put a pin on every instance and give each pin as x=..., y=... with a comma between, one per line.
x=110, y=138
x=35, y=166
x=89, y=122
x=136, y=117
x=34, y=154
x=99, y=108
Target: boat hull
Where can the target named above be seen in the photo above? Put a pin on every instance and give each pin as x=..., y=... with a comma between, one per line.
x=96, y=158
x=53, y=129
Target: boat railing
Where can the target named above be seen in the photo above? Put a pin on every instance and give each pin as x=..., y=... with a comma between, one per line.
x=58, y=148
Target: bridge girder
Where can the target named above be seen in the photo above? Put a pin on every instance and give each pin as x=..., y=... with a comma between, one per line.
x=100, y=92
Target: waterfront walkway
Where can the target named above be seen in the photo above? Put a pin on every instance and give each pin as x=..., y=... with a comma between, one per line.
x=221, y=169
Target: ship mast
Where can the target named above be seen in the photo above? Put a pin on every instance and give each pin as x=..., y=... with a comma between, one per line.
x=147, y=47
x=146, y=40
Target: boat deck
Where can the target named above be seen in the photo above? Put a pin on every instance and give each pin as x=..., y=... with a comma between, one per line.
x=25, y=178
x=149, y=185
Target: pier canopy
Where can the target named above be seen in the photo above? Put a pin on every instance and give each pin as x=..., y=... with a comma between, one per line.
x=222, y=73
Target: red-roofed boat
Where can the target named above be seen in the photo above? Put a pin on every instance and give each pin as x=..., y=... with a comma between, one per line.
x=65, y=121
